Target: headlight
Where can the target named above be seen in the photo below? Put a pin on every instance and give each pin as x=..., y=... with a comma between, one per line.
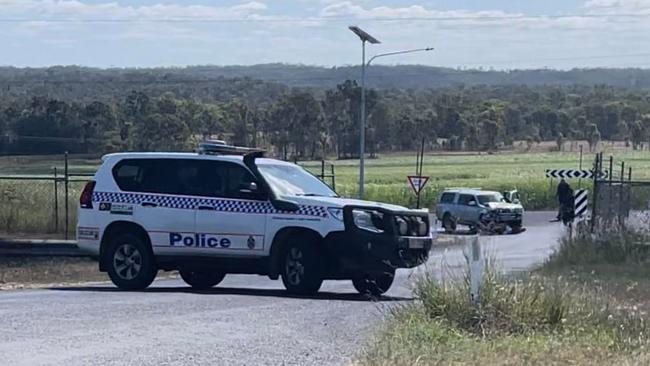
x=402, y=226
x=369, y=220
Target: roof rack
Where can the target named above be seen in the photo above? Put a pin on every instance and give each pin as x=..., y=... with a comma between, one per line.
x=219, y=147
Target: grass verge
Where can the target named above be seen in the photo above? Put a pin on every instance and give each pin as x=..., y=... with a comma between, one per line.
x=587, y=306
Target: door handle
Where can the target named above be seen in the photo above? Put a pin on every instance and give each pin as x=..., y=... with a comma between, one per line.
x=149, y=204
x=206, y=208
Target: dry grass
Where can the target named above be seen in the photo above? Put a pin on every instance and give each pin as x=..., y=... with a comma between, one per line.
x=588, y=306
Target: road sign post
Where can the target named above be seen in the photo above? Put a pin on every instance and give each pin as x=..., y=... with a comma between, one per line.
x=417, y=183
x=475, y=272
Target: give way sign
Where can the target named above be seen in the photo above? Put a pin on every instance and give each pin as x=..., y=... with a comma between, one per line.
x=418, y=183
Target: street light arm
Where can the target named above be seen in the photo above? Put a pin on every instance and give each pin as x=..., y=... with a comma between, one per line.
x=398, y=53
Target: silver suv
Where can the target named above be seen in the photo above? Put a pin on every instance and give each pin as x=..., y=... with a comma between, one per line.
x=485, y=210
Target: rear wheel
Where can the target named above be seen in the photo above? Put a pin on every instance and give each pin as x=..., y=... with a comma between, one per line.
x=302, y=272
x=374, y=284
x=131, y=264
x=449, y=224
x=201, y=279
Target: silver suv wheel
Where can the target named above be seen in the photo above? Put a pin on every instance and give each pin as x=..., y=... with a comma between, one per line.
x=127, y=261
x=294, y=267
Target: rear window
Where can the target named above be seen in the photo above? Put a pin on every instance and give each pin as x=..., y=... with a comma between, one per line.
x=447, y=198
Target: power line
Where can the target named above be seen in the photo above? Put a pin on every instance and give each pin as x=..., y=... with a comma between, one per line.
x=323, y=18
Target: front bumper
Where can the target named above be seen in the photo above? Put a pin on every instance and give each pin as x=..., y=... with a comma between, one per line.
x=356, y=250
x=506, y=218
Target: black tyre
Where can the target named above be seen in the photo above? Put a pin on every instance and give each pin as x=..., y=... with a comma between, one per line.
x=130, y=262
x=374, y=284
x=302, y=271
x=201, y=279
x=516, y=227
x=449, y=224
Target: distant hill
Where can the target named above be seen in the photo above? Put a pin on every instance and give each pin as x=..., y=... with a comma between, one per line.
x=417, y=76
x=385, y=77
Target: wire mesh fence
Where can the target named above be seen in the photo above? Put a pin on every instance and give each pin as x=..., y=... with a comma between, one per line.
x=41, y=205
x=619, y=201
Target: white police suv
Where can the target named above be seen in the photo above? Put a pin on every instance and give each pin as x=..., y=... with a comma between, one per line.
x=230, y=210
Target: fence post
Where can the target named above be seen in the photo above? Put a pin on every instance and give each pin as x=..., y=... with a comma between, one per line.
x=66, y=189
x=629, y=191
x=333, y=177
x=322, y=170
x=56, y=201
x=475, y=272
x=595, y=190
x=580, y=167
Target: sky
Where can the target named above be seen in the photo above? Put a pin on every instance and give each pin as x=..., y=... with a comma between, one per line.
x=498, y=34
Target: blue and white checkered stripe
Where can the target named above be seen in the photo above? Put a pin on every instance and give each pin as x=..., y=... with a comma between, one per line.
x=191, y=203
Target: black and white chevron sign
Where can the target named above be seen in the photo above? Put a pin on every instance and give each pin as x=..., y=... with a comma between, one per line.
x=572, y=173
x=581, y=202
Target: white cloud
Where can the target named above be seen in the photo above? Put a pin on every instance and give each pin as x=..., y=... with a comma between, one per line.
x=252, y=31
x=617, y=6
x=77, y=10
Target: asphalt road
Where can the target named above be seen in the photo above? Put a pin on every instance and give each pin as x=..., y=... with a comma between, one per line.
x=247, y=320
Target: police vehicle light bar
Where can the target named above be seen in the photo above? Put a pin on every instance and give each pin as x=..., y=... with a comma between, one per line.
x=218, y=147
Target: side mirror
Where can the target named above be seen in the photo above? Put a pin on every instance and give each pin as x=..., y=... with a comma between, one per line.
x=471, y=203
x=248, y=188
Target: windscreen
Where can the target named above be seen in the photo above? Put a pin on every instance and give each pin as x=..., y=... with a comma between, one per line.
x=484, y=199
x=291, y=180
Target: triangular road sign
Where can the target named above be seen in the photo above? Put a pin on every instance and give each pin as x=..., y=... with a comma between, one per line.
x=417, y=183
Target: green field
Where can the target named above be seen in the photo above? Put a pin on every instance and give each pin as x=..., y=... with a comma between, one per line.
x=386, y=177
x=28, y=206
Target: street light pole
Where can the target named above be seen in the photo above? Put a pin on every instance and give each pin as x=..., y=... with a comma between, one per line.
x=362, y=123
x=365, y=37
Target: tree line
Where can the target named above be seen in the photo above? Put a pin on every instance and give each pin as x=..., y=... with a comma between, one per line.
x=107, y=115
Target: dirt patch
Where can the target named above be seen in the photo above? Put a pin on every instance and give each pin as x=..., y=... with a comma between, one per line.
x=31, y=272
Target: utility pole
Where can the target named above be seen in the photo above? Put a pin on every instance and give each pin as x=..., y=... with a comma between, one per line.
x=365, y=37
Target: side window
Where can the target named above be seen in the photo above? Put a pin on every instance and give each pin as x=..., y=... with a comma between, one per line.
x=181, y=177
x=188, y=177
x=166, y=176
x=138, y=175
x=128, y=175
x=238, y=178
x=464, y=199
x=447, y=198
x=223, y=179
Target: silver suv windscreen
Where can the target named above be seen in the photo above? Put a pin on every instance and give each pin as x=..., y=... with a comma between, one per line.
x=291, y=180
x=484, y=199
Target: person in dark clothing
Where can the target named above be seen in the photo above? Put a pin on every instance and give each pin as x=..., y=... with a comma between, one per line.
x=564, y=196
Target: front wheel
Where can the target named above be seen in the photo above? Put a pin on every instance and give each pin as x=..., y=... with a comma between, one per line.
x=131, y=264
x=374, y=284
x=301, y=271
x=201, y=280
x=449, y=224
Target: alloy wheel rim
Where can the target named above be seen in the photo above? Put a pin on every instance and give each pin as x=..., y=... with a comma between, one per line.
x=294, y=267
x=127, y=262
